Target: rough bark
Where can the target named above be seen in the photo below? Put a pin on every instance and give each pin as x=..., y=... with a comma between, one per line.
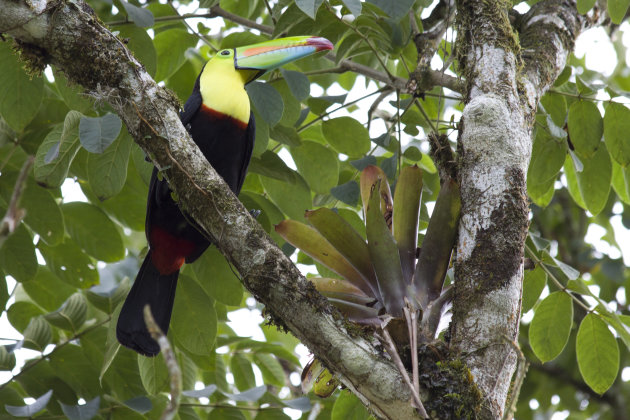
x=505, y=80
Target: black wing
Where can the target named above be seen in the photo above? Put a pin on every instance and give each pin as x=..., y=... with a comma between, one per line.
x=250, y=136
x=193, y=103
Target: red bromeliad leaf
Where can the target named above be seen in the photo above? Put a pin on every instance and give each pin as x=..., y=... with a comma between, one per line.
x=370, y=175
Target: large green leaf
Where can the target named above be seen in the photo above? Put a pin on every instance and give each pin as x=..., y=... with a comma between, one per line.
x=586, y=127
x=594, y=180
x=385, y=256
x=309, y=6
x=216, y=278
x=597, y=353
x=93, y=231
x=533, y=284
x=267, y=101
x=406, y=216
x=47, y=290
x=70, y=263
x=170, y=46
x=312, y=243
x=98, y=133
x=621, y=181
x=617, y=10
x=153, y=373
x=140, y=43
x=20, y=94
x=584, y=6
x=38, y=334
x=241, y=368
x=548, y=155
x=572, y=182
x=346, y=135
x=318, y=165
x=348, y=407
x=17, y=255
x=292, y=198
x=272, y=371
x=194, y=322
x=71, y=314
x=43, y=214
x=107, y=171
x=551, y=326
x=616, y=129
x=57, y=151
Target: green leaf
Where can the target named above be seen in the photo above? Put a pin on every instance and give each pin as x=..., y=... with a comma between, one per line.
x=292, y=198
x=153, y=373
x=347, y=193
x=298, y=83
x=194, y=322
x=271, y=369
x=354, y=6
x=347, y=241
x=170, y=46
x=17, y=255
x=47, y=290
x=584, y=6
x=533, y=285
x=20, y=94
x=309, y=7
x=616, y=129
x=318, y=165
x=406, y=216
x=285, y=135
x=38, y=334
x=217, y=279
x=70, y=263
x=241, y=368
x=21, y=313
x=384, y=255
x=249, y=395
x=394, y=9
x=267, y=101
x=86, y=411
x=617, y=10
x=96, y=134
x=621, y=181
x=93, y=231
x=594, y=180
x=597, y=353
x=73, y=94
x=348, y=407
x=7, y=361
x=572, y=182
x=43, y=214
x=71, y=315
x=31, y=409
x=141, y=44
x=586, y=127
x=271, y=165
x=111, y=344
x=107, y=171
x=346, y=135
x=548, y=156
x=57, y=151
x=138, y=15
x=223, y=413
x=551, y=326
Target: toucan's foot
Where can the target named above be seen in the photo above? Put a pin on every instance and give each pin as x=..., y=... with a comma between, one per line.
x=254, y=213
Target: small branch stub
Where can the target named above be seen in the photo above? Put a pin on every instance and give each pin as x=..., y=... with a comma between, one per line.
x=174, y=372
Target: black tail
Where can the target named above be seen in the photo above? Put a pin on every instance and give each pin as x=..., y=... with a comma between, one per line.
x=159, y=292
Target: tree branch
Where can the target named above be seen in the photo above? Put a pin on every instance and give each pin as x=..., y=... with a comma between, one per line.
x=63, y=31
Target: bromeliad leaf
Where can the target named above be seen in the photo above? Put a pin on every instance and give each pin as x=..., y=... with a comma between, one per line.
x=406, y=216
x=346, y=240
x=384, y=254
x=317, y=247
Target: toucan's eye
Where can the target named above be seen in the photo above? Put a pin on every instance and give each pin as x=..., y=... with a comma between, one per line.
x=225, y=52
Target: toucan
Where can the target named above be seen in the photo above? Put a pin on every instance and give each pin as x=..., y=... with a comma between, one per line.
x=218, y=117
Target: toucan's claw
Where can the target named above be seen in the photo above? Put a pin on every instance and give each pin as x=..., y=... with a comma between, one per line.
x=254, y=213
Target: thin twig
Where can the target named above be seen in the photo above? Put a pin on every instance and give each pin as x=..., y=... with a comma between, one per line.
x=519, y=378
x=174, y=373
x=411, y=315
x=273, y=19
x=15, y=214
x=391, y=350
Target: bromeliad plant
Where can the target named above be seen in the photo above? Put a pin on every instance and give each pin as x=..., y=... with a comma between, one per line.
x=383, y=279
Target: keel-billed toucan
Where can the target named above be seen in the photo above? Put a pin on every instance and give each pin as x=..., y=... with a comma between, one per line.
x=219, y=119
